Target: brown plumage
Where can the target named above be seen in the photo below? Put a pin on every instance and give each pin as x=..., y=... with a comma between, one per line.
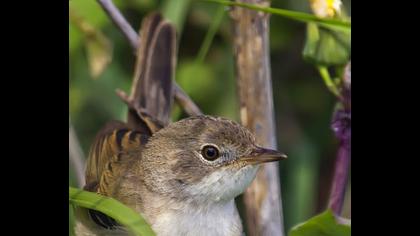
x=183, y=176
x=107, y=154
x=152, y=90
x=168, y=178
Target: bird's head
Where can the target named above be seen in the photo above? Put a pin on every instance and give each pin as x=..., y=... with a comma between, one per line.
x=203, y=159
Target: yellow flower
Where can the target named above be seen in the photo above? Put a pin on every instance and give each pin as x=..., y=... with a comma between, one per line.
x=326, y=8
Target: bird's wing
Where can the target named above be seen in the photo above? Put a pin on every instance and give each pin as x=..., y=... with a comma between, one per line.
x=114, y=148
x=119, y=144
x=152, y=90
x=108, y=156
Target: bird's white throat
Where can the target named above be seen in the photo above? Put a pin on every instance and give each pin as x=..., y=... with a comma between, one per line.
x=222, y=185
x=217, y=220
x=211, y=209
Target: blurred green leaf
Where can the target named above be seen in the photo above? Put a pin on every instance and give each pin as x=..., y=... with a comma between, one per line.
x=141, y=5
x=303, y=176
x=71, y=221
x=112, y=208
x=99, y=48
x=198, y=80
x=75, y=38
x=91, y=11
x=325, y=224
x=176, y=12
x=326, y=47
x=99, y=53
x=333, y=24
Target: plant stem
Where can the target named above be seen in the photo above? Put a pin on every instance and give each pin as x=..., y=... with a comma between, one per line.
x=76, y=157
x=176, y=12
x=264, y=213
x=120, y=22
x=325, y=75
x=210, y=34
x=338, y=187
x=334, y=24
x=341, y=125
x=185, y=102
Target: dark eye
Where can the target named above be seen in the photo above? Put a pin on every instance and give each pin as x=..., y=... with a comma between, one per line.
x=210, y=152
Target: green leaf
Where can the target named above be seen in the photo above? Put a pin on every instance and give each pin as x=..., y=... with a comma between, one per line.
x=325, y=224
x=333, y=24
x=197, y=79
x=113, y=208
x=91, y=11
x=326, y=47
x=98, y=46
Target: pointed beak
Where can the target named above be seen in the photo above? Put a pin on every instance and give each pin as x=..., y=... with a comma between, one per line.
x=261, y=155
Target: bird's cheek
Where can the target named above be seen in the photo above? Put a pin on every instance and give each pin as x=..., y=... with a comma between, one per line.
x=248, y=174
x=241, y=179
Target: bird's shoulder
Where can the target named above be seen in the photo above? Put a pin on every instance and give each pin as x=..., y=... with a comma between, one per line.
x=114, y=148
x=113, y=152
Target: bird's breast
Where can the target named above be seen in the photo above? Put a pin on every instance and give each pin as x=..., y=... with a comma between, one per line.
x=221, y=219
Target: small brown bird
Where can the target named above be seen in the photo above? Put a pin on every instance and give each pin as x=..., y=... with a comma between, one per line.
x=181, y=177
x=182, y=180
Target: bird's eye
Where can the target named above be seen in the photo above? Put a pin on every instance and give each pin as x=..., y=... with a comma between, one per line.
x=210, y=152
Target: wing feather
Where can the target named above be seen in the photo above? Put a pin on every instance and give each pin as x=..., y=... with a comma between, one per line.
x=108, y=155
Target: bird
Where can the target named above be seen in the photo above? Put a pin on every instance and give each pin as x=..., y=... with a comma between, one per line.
x=183, y=179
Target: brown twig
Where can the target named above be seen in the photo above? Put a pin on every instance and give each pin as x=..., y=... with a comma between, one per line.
x=123, y=96
x=76, y=157
x=185, y=102
x=120, y=22
x=252, y=64
x=180, y=96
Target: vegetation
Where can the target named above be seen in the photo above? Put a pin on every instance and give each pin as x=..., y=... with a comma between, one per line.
x=309, y=52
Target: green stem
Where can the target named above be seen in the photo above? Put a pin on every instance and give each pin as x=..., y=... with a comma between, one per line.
x=176, y=12
x=333, y=24
x=210, y=34
x=323, y=71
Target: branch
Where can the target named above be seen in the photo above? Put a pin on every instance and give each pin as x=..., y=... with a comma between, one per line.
x=76, y=157
x=120, y=22
x=252, y=65
x=180, y=96
x=185, y=102
x=128, y=101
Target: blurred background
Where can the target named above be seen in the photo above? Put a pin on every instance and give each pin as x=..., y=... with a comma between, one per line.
x=101, y=60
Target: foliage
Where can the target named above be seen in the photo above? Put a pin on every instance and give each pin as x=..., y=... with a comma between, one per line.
x=113, y=208
x=324, y=224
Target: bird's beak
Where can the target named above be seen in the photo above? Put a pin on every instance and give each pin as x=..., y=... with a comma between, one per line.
x=261, y=155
